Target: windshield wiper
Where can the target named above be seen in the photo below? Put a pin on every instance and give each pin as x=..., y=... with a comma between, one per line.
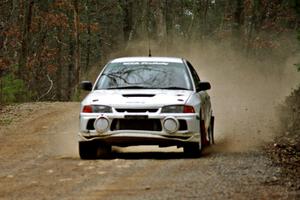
x=129, y=87
x=173, y=88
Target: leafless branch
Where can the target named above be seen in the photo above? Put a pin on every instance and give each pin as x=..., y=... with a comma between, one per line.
x=48, y=91
x=59, y=41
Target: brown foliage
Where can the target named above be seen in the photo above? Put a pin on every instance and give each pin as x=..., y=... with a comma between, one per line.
x=4, y=66
x=56, y=20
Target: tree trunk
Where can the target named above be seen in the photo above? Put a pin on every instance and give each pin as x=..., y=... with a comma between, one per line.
x=127, y=19
x=77, y=44
x=70, y=69
x=88, y=42
x=1, y=92
x=238, y=22
x=25, y=38
x=252, y=28
x=205, y=28
x=161, y=26
x=59, y=67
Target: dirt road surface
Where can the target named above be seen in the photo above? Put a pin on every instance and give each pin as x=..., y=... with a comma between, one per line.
x=39, y=160
x=39, y=157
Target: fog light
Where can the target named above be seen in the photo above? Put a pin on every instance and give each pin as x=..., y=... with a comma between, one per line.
x=171, y=124
x=101, y=124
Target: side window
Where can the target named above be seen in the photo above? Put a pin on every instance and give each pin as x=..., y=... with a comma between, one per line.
x=195, y=76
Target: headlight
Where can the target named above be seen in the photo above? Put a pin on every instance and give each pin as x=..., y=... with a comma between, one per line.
x=101, y=124
x=96, y=109
x=171, y=124
x=178, y=109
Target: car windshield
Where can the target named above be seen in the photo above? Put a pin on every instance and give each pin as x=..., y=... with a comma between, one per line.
x=145, y=75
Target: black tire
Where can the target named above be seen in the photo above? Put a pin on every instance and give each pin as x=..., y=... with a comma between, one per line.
x=193, y=150
x=103, y=151
x=211, y=130
x=93, y=150
x=87, y=150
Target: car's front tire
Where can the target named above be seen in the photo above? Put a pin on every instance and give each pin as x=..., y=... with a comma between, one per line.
x=94, y=150
x=193, y=150
x=104, y=151
x=87, y=150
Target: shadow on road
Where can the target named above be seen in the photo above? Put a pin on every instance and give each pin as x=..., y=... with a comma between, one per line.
x=154, y=155
x=149, y=155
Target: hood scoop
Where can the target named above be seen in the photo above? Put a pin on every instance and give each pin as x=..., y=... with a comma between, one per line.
x=138, y=95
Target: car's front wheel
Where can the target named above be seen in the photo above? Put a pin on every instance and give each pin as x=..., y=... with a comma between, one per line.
x=87, y=150
x=93, y=150
x=193, y=149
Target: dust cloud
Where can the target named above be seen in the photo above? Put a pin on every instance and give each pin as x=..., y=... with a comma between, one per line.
x=62, y=136
x=245, y=89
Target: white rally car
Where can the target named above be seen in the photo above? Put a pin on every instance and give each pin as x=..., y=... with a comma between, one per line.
x=145, y=101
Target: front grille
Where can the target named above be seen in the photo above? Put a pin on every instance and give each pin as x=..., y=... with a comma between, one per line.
x=136, y=124
x=136, y=110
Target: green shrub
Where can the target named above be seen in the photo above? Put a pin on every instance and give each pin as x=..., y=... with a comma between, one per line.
x=13, y=89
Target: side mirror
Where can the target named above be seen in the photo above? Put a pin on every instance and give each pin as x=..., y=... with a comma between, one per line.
x=202, y=86
x=86, y=85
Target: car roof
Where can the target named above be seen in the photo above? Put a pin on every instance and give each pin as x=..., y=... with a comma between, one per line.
x=147, y=59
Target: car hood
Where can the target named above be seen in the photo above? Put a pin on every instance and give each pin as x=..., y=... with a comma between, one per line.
x=137, y=98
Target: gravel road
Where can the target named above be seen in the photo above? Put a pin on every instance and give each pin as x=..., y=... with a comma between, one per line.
x=39, y=160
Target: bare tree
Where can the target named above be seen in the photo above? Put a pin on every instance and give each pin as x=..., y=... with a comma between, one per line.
x=77, y=44
x=28, y=6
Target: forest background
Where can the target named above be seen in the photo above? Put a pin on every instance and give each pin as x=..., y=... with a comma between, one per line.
x=48, y=46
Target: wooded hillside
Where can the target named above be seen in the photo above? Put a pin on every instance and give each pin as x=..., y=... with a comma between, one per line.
x=46, y=46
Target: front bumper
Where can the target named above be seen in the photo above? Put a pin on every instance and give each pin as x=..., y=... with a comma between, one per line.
x=141, y=137
x=125, y=139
